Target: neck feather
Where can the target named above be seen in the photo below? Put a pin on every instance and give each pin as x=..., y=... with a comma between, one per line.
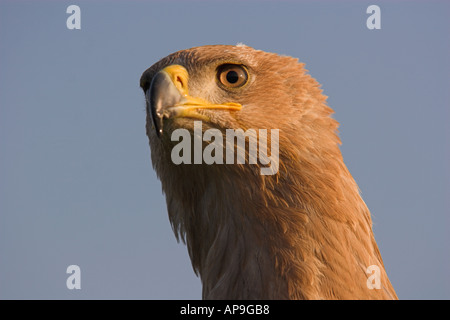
x=294, y=235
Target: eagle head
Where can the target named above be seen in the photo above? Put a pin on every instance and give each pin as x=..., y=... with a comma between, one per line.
x=302, y=231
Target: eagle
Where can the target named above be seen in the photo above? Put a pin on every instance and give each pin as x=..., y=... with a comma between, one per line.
x=302, y=231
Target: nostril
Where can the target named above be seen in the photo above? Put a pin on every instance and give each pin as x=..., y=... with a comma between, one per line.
x=179, y=83
x=179, y=76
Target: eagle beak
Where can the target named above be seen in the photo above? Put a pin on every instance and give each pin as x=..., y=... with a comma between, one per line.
x=168, y=97
x=161, y=95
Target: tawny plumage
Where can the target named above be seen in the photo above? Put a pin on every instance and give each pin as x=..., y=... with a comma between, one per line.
x=301, y=233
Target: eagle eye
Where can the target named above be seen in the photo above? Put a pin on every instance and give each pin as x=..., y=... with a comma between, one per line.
x=232, y=75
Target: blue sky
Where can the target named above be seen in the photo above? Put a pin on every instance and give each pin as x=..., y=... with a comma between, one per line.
x=76, y=182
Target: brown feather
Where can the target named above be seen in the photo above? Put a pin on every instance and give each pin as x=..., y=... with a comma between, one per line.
x=303, y=233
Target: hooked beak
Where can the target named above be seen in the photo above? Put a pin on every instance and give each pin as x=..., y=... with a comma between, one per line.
x=168, y=97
